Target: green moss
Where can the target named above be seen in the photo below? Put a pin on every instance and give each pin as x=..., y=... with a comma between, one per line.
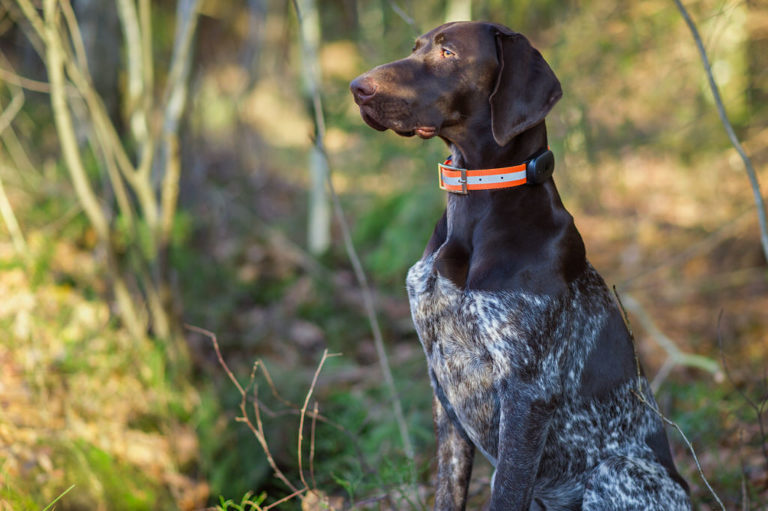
x=16, y=499
x=102, y=479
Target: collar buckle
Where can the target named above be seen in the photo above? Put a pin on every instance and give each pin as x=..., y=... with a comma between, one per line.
x=456, y=181
x=463, y=183
x=460, y=180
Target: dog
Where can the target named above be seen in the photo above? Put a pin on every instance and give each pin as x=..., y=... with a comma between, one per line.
x=529, y=356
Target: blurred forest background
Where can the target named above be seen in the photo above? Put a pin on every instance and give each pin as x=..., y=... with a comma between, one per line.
x=158, y=168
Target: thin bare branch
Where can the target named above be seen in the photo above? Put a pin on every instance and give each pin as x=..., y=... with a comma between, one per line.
x=304, y=409
x=361, y=277
x=687, y=443
x=34, y=19
x=675, y=355
x=273, y=388
x=30, y=174
x=168, y=159
x=258, y=429
x=757, y=408
x=704, y=245
x=75, y=36
x=750, y=170
x=33, y=85
x=101, y=120
x=99, y=140
x=138, y=116
x=169, y=195
x=216, y=348
x=56, y=58
x=404, y=16
x=373, y=321
x=285, y=499
x=19, y=11
x=104, y=127
x=8, y=216
x=639, y=393
x=98, y=137
x=175, y=93
x=312, y=448
x=145, y=27
x=294, y=410
x=625, y=316
x=13, y=109
x=64, y=125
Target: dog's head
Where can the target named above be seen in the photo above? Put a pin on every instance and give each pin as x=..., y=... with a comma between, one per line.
x=459, y=76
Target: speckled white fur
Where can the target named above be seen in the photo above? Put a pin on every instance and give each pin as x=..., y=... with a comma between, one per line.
x=595, y=451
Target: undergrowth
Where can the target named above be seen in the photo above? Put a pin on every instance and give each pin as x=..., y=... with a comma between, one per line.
x=90, y=406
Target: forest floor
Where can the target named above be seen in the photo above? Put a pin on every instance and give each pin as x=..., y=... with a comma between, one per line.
x=669, y=221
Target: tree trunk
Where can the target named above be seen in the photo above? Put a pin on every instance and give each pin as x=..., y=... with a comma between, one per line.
x=458, y=10
x=319, y=225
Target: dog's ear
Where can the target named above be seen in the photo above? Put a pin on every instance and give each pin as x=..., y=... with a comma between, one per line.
x=526, y=87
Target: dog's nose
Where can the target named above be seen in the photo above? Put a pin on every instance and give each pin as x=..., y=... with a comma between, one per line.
x=362, y=89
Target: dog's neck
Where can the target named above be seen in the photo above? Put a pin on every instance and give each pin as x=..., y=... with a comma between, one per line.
x=525, y=220
x=481, y=151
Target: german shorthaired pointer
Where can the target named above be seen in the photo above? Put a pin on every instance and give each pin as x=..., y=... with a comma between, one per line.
x=528, y=354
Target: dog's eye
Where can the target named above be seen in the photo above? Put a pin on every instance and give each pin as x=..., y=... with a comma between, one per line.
x=447, y=53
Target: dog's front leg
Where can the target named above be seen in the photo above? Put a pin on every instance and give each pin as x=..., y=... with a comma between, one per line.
x=454, y=461
x=523, y=427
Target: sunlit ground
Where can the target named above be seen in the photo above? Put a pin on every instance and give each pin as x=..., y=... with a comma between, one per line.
x=643, y=164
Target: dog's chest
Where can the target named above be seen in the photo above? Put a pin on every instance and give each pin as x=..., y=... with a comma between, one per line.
x=472, y=340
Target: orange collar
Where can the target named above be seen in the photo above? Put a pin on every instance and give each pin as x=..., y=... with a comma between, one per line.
x=537, y=170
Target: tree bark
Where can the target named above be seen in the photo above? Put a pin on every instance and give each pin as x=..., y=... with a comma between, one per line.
x=458, y=10
x=319, y=224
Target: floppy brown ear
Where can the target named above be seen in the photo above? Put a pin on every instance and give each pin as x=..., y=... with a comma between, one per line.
x=526, y=87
